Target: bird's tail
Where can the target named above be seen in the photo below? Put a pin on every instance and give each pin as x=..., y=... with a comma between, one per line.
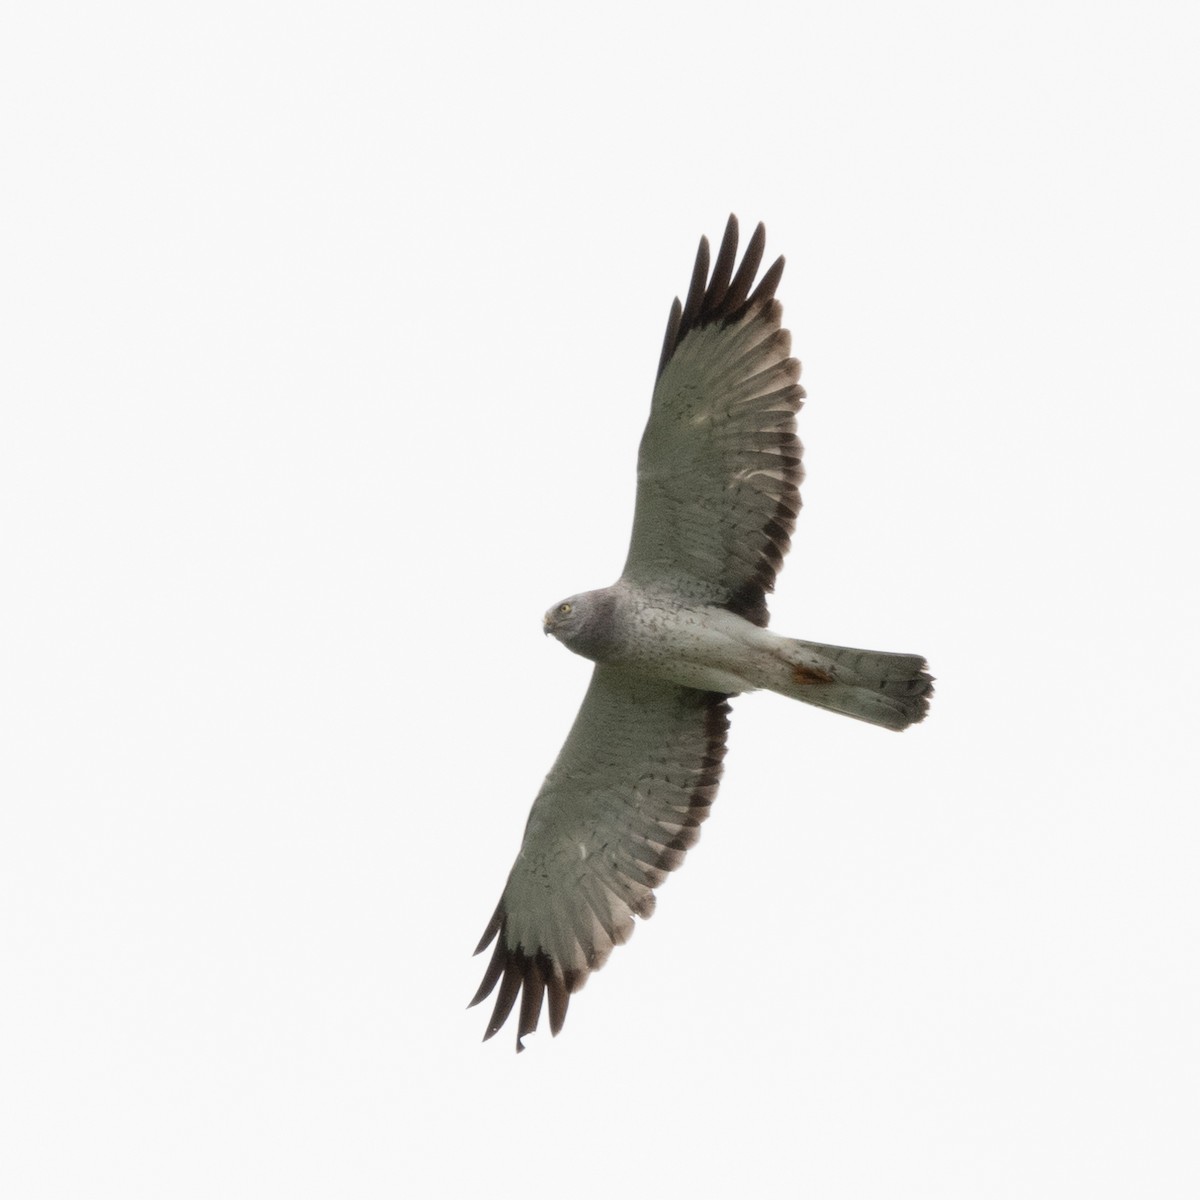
x=891, y=690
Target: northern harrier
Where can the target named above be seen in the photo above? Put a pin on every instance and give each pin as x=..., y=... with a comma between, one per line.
x=681, y=631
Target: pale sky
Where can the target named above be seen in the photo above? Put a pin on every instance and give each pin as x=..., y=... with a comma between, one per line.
x=330, y=335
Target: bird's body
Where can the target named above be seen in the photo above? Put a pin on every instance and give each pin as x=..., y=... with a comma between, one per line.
x=683, y=629
x=707, y=647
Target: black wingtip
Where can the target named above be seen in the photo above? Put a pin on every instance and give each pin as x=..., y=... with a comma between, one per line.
x=768, y=283
x=672, y=335
x=510, y=986
x=691, y=306
x=493, y=928
x=722, y=270
x=727, y=295
x=739, y=289
x=491, y=976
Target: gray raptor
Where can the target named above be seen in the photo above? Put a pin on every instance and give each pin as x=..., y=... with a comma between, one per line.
x=682, y=630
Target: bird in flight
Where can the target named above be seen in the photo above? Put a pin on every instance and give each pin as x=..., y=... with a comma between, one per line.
x=682, y=631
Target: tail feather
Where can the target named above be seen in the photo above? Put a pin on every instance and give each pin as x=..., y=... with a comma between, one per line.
x=891, y=690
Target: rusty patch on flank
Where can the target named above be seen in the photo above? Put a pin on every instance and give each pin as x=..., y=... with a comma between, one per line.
x=803, y=674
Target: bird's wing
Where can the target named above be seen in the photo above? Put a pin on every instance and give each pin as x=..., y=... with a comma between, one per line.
x=719, y=465
x=619, y=809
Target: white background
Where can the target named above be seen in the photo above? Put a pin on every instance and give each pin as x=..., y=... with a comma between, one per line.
x=329, y=335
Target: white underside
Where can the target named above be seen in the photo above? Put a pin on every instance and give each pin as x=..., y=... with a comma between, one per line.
x=717, y=651
x=711, y=649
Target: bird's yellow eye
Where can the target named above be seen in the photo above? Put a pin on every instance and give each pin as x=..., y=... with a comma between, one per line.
x=564, y=609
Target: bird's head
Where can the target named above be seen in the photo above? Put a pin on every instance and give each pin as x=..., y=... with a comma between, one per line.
x=584, y=623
